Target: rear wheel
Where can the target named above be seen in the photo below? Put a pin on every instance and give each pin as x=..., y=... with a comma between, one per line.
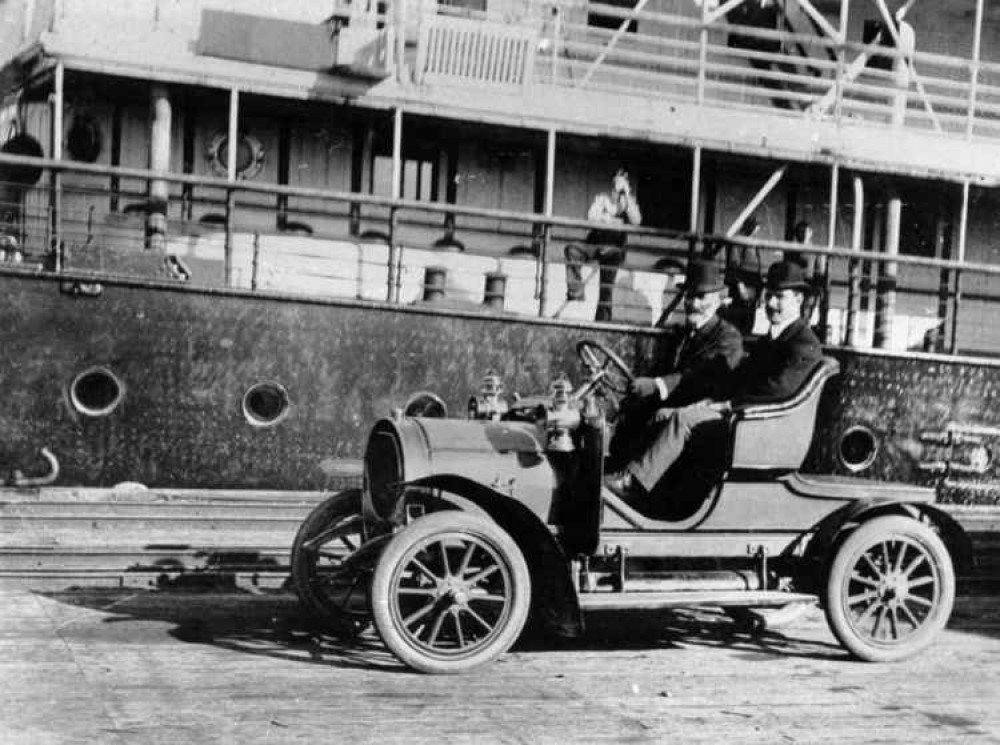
x=330, y=591
x=450, y=592
x=890, y=589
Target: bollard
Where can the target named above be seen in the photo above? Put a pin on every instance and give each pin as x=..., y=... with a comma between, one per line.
x=495, y=290
x=435, y=279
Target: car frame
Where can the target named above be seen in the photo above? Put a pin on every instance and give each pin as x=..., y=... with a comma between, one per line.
x=466, y=527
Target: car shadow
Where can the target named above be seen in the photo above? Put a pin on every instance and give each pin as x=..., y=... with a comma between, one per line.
x=273, y=624
x=268, y=624
x=679, y=628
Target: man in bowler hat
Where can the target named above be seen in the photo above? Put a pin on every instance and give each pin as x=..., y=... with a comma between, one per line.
x=778, y=364
x=701, y=361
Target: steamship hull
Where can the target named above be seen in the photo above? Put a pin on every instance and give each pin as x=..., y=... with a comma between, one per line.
x=224, y=246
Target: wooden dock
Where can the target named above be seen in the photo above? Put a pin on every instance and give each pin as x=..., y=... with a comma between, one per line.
x=125, y=666
x=145, y=538
x=135, y=616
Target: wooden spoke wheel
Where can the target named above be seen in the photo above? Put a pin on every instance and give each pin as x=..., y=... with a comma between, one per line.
x=890, y=589
x=331, y=590
x=451, y=591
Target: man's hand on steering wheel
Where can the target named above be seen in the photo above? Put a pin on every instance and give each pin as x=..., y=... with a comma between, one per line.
x=643, y=389
x=606, y=369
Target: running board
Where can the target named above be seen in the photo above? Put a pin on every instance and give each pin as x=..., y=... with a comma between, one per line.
x=656, y=600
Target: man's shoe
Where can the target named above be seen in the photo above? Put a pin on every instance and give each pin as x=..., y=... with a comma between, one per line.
x=623, y=485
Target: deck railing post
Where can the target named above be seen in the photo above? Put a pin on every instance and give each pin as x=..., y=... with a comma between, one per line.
x=255, y=266
x=702, y=54
x=394, y=279
x=838, y=102
x=821, y=272
x=963, y=226
x=55, y=176
x=977, y=36
x=228, y=244
x=854, y=266
x=543, y=268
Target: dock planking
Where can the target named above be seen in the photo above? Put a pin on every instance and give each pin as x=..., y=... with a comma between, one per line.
x=116, y=666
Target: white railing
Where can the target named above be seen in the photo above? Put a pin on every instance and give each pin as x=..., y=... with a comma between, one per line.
x=475, y=51
x=680, y=57
x=367, y=248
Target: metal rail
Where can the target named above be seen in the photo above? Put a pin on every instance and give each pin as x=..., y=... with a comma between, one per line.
x=79, y=243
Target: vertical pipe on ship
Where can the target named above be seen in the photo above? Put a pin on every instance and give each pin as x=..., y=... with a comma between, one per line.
x=851, y=334
x=885, y=299
x=963, y=230
x=55, y=195
x=159, y=160
x=542, y=275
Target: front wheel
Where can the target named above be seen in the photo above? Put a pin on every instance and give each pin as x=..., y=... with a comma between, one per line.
x=890, y=589
x=330, y=590
x=450, y=592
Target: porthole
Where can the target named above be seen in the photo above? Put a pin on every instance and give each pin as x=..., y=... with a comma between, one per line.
x=249, y=155
x=265, y=404
x=858, y=448
x=96, y=392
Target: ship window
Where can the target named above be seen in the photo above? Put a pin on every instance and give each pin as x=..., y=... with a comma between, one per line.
x=599, y=19
x=265, y=404
x=858, y=448
x=96, y=392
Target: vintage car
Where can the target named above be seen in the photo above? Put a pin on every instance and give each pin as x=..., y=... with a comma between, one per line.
x=465, y=527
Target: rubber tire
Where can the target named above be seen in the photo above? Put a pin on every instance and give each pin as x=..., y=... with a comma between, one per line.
x=850, y=551
x=341, y=505
x=397, y=551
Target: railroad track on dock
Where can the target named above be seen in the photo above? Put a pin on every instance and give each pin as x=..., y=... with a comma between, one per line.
x=149, y=538
x=161, y=537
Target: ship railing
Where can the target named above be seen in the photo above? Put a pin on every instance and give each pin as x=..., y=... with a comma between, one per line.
x=480, y=51
x=805, y=70
x=364, y=247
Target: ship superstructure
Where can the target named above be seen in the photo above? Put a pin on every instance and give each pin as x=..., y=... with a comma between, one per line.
x=236, y=232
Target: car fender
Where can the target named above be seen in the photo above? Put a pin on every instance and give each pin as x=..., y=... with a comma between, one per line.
x=554, y=598
x=831, y=531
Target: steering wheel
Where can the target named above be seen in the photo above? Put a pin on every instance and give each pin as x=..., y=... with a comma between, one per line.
x=606, y=368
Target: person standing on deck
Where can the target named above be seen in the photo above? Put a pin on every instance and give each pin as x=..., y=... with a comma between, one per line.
x=606, y=246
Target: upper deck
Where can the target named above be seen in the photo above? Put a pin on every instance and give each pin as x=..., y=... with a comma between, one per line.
x=827, y=82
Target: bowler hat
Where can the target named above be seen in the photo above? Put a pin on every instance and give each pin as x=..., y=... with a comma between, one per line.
x=702, y=276
x=786, y=275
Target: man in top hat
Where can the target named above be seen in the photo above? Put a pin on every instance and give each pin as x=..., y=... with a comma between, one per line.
x=701, y=361
x=776, y=367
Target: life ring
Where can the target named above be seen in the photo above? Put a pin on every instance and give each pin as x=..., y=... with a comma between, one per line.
x=250, y=155
x=23, y=176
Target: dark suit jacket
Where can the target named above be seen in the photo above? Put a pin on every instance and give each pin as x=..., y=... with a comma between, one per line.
x=776, y=368
x=702, y=363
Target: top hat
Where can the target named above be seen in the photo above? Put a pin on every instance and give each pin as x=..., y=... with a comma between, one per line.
x=702, y=276
x=787, y=275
